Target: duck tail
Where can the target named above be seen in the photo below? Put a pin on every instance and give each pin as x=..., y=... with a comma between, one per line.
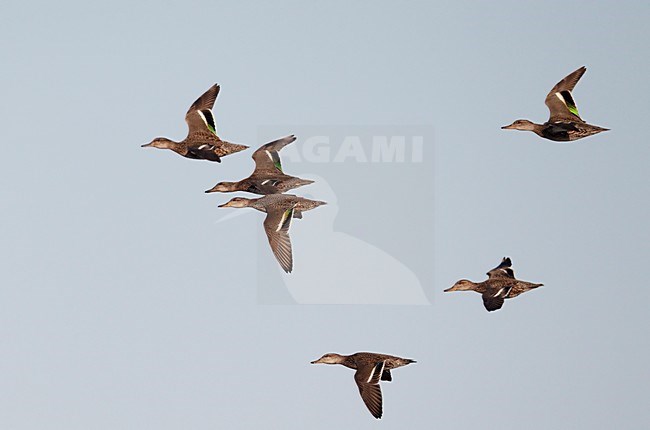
x=231, y=148
x=298, y=182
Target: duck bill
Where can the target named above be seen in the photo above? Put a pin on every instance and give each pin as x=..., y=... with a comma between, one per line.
x=225, y=205
x=449, y=289
x=146, y=144
x=507, y=127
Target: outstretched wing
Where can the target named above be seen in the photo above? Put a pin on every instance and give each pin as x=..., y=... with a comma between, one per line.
x=560, y=101
x=203, y=151
x=492, y=303
x=367, y=379
x=267, y=157
x=503, y=270
x=276, y=226
x=199, y=117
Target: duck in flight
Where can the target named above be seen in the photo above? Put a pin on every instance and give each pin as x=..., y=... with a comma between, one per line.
x=564, y=123
x=280, y=210
x=370, y=369
x=268, y=176
x=500, y=285
x=202, y=141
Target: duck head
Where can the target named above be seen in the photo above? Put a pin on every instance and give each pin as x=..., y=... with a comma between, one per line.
x=462, y=285
x=520, y=124
x=330, y=358
x=236, y=202
x=160, y=142
x=223, y=187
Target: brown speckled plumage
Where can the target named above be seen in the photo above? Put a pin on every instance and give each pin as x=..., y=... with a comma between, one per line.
x=202, y=142
x=280, y=210
x=268, y=176
x=371, y=368
x=564, y=123
x=500, y=285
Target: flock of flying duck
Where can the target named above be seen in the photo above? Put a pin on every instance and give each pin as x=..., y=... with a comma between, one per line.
x=269, y=180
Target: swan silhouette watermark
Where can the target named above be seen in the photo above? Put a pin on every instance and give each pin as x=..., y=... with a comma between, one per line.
x=373, y=241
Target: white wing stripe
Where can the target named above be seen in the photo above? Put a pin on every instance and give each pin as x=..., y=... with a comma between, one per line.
x=383, y=364
x=202, y=117
x=285, y=214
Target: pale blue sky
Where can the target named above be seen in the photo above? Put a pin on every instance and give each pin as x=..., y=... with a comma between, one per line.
x=124, y=305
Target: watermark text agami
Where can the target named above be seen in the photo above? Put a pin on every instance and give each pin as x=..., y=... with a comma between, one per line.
x=360, y=149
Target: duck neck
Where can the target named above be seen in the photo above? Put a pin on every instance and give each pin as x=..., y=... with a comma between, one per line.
x=348, y=361
x=255, y=204
x=479, y=287
x=538, y=129
x=177, y=147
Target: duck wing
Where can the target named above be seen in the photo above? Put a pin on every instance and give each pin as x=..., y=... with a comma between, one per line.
x=386, y=376
x=203, y=151
x=199, y=116
x=367, y=378
x=267, y=157
x=559, y=100
x=493, y=298
x=503, y=270
x=276, y=226
x=492, y=303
